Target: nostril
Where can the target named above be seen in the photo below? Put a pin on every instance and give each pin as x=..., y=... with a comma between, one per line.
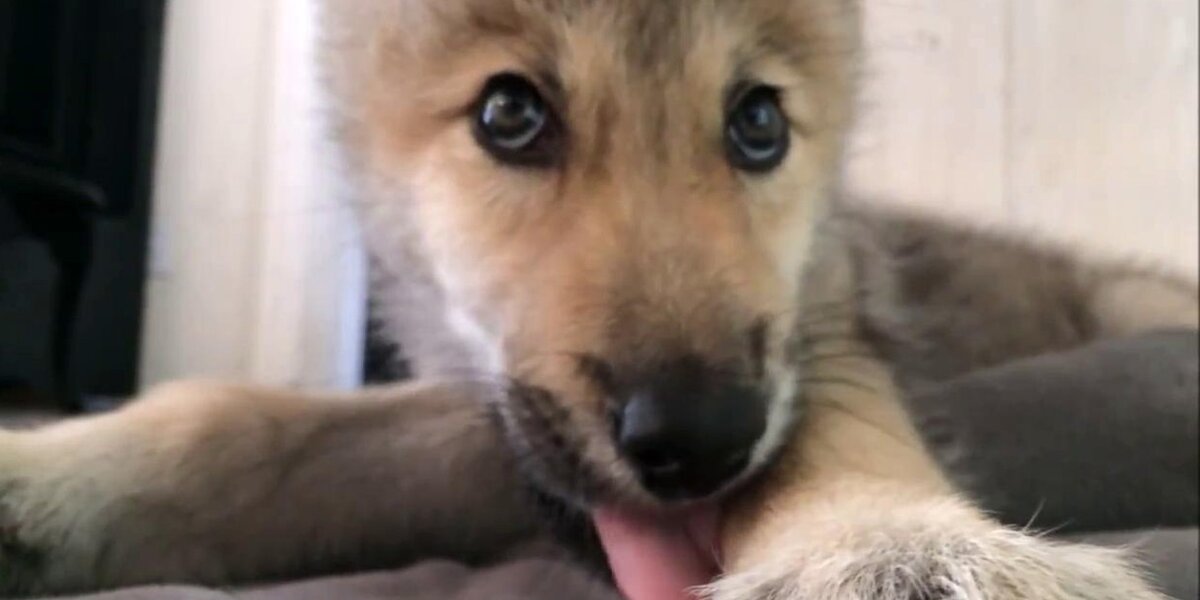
x=645, y=437
x=657, y=463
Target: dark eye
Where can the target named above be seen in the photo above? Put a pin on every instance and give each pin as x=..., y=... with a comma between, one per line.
x=757, y=136
x=514, y=124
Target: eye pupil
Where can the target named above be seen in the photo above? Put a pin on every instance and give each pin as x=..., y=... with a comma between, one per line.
x=760, y=125
x=507, y=115
x=513, y=122
x=758, y=136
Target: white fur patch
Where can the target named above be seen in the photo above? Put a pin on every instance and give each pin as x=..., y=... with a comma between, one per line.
x=484, y=347
x=780, y=417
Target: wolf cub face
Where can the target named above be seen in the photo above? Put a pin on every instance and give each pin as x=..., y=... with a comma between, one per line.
x=614, y=200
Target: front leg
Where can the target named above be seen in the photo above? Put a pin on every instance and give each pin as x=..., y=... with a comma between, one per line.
x=212, y=484
x=856, y=510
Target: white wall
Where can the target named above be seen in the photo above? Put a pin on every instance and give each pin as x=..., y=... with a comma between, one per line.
x=256, y=270
x=1073, y=118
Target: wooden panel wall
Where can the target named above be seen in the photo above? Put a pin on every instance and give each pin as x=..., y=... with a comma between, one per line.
x=1076, y=119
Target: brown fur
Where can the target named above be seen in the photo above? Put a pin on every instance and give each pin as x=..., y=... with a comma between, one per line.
x=642, y=243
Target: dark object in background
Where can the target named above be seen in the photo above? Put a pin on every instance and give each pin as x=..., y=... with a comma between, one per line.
x=383, y=362
x=78, y=94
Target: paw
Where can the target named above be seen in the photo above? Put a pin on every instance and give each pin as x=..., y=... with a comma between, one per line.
x=924, y=563
x=33, y=534
x=19, y=562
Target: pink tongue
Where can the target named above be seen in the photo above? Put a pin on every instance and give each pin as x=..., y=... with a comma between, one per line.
x=660, y=558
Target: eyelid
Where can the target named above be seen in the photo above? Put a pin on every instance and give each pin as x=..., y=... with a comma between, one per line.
x=546, y=85
x=738, y=91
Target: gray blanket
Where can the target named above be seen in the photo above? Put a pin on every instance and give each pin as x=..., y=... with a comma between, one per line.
x=1099, y=444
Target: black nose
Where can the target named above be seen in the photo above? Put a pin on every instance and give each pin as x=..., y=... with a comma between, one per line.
x=690, y=430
